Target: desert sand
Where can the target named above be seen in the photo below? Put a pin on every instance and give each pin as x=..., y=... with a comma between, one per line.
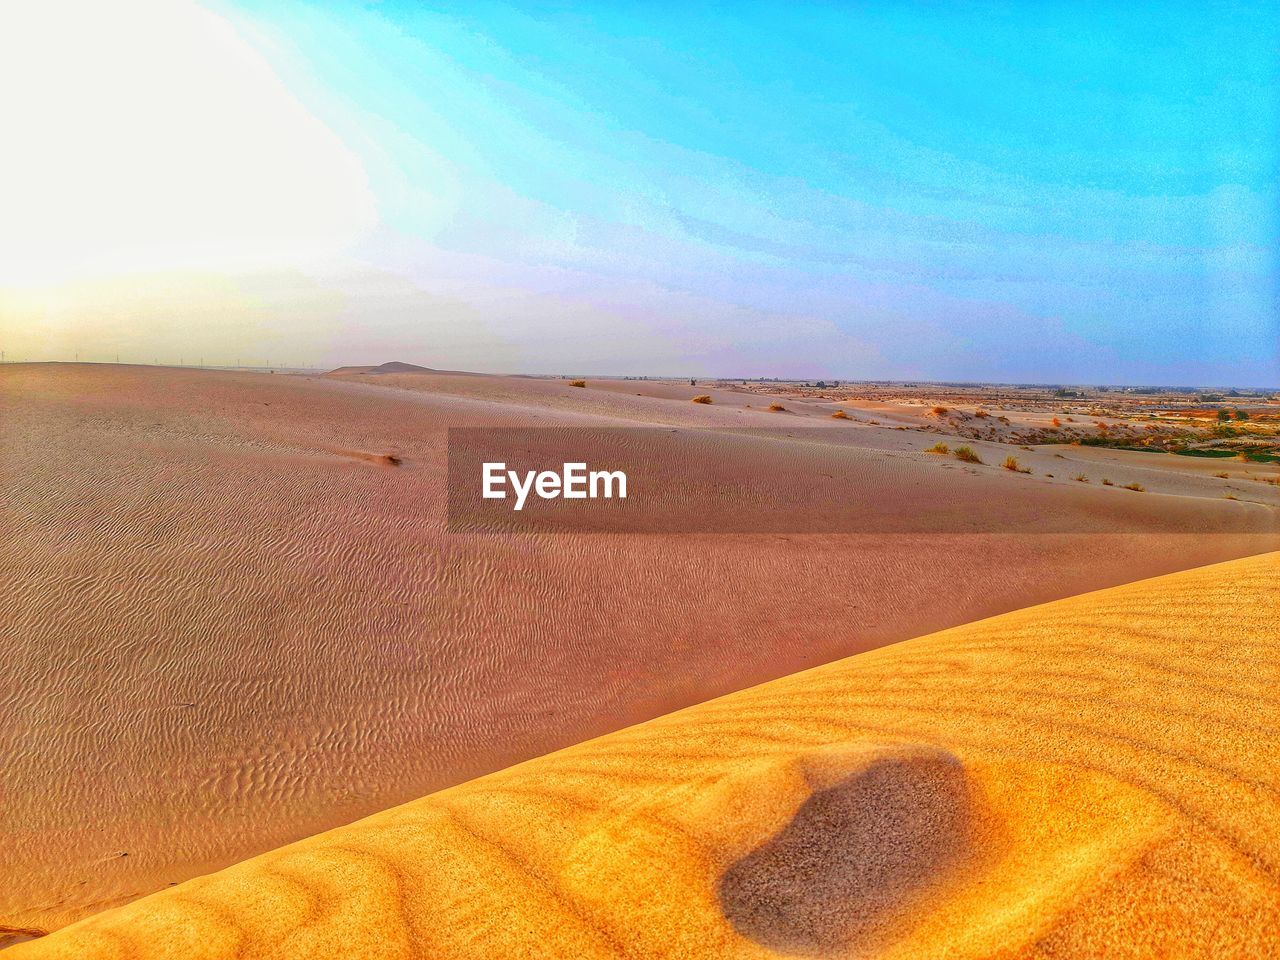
x=1093, y=777
x=235, y=616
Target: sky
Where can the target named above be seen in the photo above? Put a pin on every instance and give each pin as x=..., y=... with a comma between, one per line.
x=1044, y=192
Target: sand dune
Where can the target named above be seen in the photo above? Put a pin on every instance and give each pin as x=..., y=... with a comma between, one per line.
x=1093, y=777
x=235, y=616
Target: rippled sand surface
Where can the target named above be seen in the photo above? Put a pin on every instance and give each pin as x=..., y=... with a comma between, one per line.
x=234, y=618
x=1093, y=777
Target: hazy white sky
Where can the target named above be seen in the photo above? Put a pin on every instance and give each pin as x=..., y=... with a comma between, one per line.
x=1017, y=192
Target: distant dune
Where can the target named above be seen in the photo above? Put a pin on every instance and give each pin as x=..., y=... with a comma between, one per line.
x=392, y=366
x=235, y=616
x=1096, y=777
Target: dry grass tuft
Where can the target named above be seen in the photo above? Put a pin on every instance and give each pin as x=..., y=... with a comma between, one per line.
x=1223, y=476
x=776, y=407
x=1080, y=478
x=981, y=414
x=967, y=454
x=1134, y=486
x=577, y=383
x=1011, y=463
x=840, y=415
x=939, y=411
x=939, y=447
x=1107, y=483
x=702, y=398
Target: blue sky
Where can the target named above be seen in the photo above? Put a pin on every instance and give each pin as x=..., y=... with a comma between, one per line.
x=1018, y=192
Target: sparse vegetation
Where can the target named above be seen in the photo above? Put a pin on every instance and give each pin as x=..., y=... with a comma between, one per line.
x=1134, y=486
x=981, y=414
x=1222, y=454
x=577, y=383
x=1223, y=476
x=1107, y=483
x=1011, y=463
x=777, y=407
x=1080, y=478
x=840, y=415
x=939, y=411
x=1056, y=422
x=939, y=447
x=1230, y=496
x=703, y=398
x=967, y=454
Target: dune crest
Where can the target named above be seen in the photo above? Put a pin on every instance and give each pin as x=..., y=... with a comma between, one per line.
x=1094, y=776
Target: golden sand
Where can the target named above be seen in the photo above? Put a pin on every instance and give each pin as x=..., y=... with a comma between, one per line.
x=1093, y=777
x=233, y=622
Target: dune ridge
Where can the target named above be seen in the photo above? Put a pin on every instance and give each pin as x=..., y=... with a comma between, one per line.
x=1093, y=776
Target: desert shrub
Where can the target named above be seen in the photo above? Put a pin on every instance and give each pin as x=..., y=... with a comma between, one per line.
x=1230, y=496
x=981, y=414
x=1080, y=478
x=1107, y=483
x=939, y=411
x=1056, y=422
x=776, y=407
x=1134, y=486
x=966, y=454
x=577, y=383
x=840, y=415
x=1223, y=476
x=939, y=447
x=702, y=398
x=1011, y=463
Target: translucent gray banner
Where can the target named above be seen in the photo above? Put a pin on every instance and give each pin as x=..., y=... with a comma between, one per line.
x=668, y=480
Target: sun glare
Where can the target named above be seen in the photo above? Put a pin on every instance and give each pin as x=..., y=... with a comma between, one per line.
x=155, y=137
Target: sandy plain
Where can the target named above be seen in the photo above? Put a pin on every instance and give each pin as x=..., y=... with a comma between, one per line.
x=1093, y=777
x=236, y=616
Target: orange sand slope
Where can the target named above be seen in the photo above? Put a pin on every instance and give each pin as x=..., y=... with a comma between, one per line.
x=1095, y=776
